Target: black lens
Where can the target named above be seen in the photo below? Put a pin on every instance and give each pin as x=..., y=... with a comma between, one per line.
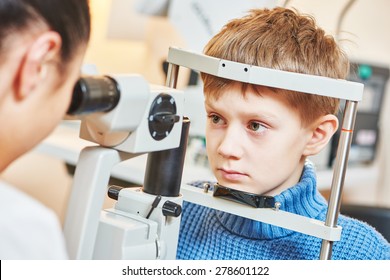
x=94, y=94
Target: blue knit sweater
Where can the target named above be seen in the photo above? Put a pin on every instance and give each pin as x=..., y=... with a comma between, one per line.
x=206, y=233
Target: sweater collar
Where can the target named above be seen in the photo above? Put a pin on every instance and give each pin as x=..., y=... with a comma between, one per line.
x=302, y=199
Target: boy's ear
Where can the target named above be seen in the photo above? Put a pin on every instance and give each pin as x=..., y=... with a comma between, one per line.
x=33, y=67
x=322, y=132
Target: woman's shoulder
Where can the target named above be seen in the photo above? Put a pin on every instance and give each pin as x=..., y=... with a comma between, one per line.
x=20, y=204
x=21, y=216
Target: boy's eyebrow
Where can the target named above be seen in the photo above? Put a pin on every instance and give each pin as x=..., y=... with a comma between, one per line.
x=251, y=115
x=207, y=103
x=267, y=115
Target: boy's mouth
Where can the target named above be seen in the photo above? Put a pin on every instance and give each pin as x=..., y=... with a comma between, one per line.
x=231, y=175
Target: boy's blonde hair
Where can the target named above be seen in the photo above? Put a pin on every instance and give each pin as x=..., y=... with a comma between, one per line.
x=285, y=40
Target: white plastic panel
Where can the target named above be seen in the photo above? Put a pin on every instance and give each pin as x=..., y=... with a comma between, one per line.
x=279, y=218
x=265, y=76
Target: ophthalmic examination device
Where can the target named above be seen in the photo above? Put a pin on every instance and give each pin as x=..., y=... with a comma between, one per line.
x=127, y=117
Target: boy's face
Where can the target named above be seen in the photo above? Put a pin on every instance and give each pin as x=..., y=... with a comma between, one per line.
x=254, y=143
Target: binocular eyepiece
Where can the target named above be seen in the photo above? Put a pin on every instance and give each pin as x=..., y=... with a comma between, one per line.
x=94, y=94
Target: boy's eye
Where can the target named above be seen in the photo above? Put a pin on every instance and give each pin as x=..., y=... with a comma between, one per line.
x=256, y=126
x=215, y=119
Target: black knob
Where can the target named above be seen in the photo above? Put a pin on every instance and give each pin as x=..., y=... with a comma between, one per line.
x=162, y=116
x=113, y=192
x=171, y=209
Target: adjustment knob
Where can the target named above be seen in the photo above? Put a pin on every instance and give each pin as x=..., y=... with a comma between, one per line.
x=171, y=209
x=113, y=192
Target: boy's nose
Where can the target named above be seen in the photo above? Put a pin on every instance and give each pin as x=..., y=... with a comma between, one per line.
x=231, y=144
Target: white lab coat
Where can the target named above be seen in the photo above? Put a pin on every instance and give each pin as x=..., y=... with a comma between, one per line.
x=28, y=229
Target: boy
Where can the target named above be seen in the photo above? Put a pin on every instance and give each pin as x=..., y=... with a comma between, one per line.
x=258, y=139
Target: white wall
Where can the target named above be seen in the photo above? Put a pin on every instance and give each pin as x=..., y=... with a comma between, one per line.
x=365, y=25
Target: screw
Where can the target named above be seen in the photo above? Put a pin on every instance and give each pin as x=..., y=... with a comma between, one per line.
x=206, y=187
x=277, y=206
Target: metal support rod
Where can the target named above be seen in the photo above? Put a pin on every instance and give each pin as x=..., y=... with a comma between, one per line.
x=172, y=75
x=339, y=174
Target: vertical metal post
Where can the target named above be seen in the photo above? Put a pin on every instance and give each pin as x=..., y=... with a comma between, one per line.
x=164, y=169
x=339, y=171
x=172, y=75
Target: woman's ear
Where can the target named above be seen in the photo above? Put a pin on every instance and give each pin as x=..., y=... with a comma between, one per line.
x=322, y=131
x=33, y=67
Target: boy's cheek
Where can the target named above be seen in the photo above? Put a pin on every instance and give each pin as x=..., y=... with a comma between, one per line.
x=212, y=144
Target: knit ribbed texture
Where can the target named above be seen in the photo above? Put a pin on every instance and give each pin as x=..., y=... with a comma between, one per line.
x=210, y=234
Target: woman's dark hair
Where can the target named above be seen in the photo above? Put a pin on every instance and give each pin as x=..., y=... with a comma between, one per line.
x=70, y=18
